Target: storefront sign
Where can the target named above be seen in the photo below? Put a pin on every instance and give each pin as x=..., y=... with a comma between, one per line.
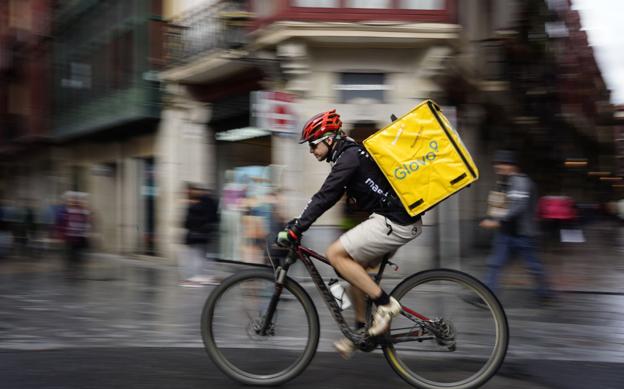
x=274, y=111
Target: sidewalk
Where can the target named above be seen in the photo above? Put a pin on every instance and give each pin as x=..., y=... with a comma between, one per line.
x=596, y=266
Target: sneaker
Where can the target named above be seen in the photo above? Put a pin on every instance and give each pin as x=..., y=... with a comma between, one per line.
x=383, y=317
x=345, y=348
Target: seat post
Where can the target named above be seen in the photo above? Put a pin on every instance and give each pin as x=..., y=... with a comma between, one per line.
x=382, y=267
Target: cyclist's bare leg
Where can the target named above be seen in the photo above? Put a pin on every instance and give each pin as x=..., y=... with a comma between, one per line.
x=352, y=271
x=359, y=303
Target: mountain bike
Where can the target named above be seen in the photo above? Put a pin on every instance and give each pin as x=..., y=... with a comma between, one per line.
x=260, y=326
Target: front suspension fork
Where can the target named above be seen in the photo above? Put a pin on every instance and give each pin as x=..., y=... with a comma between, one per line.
x=280, y=277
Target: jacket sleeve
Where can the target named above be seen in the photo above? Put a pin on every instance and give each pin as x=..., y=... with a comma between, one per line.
x=519, y=196
x=332, y=189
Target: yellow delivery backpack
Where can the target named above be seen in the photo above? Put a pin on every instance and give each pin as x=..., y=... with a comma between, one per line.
x=423, y=157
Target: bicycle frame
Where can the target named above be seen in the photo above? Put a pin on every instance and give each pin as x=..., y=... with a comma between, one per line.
x=304, y=254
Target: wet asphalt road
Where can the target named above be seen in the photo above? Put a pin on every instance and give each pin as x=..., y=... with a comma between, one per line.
x=186, y=368
x=126, y=324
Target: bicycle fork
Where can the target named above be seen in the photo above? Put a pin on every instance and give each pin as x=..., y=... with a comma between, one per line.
x=280, y=277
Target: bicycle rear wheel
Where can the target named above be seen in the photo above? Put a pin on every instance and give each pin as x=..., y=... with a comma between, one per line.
x=233, y=315
x=461, y=338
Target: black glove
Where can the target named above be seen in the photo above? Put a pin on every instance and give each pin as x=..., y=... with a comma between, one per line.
x=291, y=234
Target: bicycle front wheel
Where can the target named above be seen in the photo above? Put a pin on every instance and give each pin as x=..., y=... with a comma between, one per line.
x=232, y=325
x=452, y=332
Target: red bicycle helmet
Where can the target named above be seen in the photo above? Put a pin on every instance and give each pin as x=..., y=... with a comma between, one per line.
x=319, y=125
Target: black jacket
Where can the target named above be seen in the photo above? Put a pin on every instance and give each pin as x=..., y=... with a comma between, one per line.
x=357, y=174
x=201, y=218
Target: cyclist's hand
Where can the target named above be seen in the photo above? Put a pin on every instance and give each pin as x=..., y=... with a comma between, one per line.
x=290, y=235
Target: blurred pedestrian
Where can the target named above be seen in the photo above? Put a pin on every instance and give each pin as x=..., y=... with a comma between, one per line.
x=50, y=225
x=231, y=210
x=257, y=219
x=200, y=223
x=620, y=214
x=515, y=226
x=6, y=237
x=75, y=226
x=558, y=215
x=25, y=229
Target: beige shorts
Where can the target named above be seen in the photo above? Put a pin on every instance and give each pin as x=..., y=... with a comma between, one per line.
x=369, y=241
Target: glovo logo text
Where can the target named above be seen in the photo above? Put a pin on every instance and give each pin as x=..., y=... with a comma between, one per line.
x=412, y=166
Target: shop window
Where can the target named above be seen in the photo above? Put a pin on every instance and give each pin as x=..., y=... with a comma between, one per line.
x=422, y=4
x=370, y=86
x=369, y=3
x=316, y=3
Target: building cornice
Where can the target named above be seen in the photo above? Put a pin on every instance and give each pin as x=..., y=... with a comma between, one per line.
x=371, y=34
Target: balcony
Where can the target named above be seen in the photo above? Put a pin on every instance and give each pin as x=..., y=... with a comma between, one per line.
x=202, y=30
x=407, y=11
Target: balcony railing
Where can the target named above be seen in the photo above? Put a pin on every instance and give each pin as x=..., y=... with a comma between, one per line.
x=222, y=25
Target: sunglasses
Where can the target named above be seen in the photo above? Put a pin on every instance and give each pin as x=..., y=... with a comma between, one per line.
x=314, y=143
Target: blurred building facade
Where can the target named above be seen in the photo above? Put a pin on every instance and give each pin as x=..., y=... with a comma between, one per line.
x=542, y=93
x=150, y=94
x=106, y=112
x=618, y=133
x=25, y=104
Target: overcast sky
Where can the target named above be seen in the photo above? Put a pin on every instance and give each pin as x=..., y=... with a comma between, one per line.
x=604, y=22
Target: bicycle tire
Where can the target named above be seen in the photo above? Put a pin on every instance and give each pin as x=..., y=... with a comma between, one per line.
x=427, y=282
x=218, y=354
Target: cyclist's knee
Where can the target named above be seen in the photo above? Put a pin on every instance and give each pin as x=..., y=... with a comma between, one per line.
x=336, y=253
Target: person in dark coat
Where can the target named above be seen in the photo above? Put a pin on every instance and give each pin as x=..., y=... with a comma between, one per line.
x=516, y=227
x=200, y=223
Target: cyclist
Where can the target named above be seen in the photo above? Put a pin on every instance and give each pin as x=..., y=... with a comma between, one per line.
x=388, y=227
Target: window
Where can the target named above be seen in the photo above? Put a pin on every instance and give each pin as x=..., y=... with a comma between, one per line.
x=79, y=76
x=422, y=4
x=369, y=3
x=362, y=86
x=316, y=3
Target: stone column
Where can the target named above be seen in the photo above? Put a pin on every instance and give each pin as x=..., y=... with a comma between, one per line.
x=184, y=153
